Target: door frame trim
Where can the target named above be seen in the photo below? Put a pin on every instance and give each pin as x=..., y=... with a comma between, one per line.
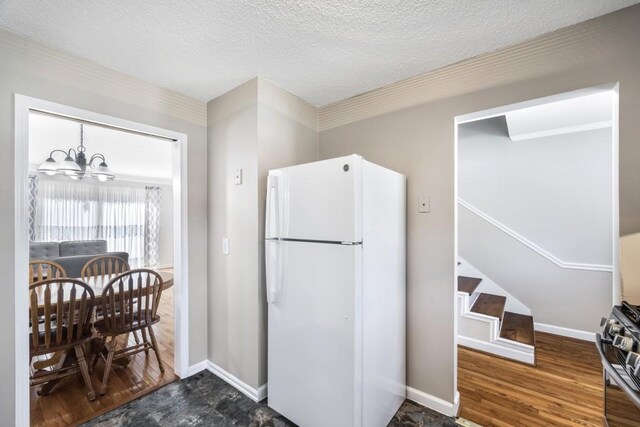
x=614, y=88
x=22, y=107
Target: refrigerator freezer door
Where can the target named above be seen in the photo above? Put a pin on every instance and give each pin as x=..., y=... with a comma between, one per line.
x=312, y=360
x=316, y=201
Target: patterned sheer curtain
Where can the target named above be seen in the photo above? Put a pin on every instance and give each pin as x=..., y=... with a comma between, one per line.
x=33, y=193
x=71, y=210
x=152, y=250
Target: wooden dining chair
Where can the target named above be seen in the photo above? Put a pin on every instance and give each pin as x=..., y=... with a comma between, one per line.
x=105, y=267
x=129, y=304
x=97, y=272
x=59, y=321
x=42, y=269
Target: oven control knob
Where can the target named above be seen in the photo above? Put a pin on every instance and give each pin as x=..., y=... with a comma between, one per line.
x=612, y=328
x=633, y=362
x=623, y=343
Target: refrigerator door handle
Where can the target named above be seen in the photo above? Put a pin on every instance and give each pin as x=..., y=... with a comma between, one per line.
x=272, y=263
x=273, y=249
x=273, y=208
x=274, y=267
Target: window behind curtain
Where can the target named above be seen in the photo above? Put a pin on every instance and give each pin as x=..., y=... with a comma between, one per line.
x=68, y=210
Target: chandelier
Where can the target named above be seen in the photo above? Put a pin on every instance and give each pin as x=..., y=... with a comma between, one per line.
x=77, y=167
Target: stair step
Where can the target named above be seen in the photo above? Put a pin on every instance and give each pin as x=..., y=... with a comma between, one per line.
x=468, y=284
x=518, y=327
x=489, y=305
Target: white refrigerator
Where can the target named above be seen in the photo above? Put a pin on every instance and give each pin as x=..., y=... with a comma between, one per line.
x=335, y=278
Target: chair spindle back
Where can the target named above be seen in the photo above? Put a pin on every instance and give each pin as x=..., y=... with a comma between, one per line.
x=131, y=299
x=105, y=267
x=59, y=313
x=41, y=269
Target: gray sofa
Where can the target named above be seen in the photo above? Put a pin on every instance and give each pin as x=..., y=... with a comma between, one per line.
x=72, y=255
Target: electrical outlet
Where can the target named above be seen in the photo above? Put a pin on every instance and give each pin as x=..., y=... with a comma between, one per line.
x=424, y=204
x=225, y=245
x=237, y=177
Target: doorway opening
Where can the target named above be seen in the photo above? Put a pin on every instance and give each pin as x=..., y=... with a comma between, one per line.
x=137, y=220
x=536, y=230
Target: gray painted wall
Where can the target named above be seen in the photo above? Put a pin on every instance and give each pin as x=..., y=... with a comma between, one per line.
x=555, y=191
x=539, y=284
x=255, y=137
x=234, y=295
x=419, y=142
x=30, y=69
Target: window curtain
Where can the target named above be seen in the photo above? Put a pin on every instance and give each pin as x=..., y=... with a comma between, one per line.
x=71, y=210
x=122, y=221
x=152, y=232
x=33, y=194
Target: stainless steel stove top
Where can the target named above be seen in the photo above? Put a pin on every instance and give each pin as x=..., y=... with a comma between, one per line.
x=619, y=347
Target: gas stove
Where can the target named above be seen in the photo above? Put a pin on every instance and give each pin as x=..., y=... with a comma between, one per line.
x=631, y=313
x=619, y=348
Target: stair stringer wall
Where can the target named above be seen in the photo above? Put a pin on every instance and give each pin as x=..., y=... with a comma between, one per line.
x=559, y=297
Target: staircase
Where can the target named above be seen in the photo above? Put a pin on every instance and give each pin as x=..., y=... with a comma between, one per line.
x=484, y=324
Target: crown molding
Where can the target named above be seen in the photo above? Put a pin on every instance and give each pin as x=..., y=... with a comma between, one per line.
x=73, y=71
x=233, y=101
x=564, y=49
x=259, y=91
x=288, y=104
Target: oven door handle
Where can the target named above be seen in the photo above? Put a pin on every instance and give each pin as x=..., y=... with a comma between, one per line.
x=632, y=394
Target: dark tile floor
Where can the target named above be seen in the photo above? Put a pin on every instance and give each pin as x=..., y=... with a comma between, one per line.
x=206, y=400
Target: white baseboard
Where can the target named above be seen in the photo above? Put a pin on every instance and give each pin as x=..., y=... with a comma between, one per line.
x=565, y=332
x=523, y=355
x=435, y=403
x=198, y=367
x=255, y=394
x=420, y=397
x=261, y=392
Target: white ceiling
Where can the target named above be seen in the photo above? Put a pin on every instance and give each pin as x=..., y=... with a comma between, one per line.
x=594, y=111
x=129, y=156
x=322, y=51
x=567, y=113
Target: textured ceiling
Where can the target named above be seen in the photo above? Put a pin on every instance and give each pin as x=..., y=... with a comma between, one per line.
x=322, y=51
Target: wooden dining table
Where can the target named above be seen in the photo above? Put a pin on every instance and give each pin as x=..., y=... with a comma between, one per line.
x=67, y=358
x=97, y=285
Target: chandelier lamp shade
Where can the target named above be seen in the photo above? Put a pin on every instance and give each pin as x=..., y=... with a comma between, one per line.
x=75, y=165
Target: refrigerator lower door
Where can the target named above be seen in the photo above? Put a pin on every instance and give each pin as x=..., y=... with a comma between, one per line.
x=313, y=369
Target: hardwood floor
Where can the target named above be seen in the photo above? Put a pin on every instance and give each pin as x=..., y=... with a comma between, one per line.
x=67, y=404
x=564, y=389
x=518, y=327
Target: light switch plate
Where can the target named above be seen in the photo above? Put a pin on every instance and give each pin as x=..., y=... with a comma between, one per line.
x=424, y=204
x=237, y=177
x=225, y=245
